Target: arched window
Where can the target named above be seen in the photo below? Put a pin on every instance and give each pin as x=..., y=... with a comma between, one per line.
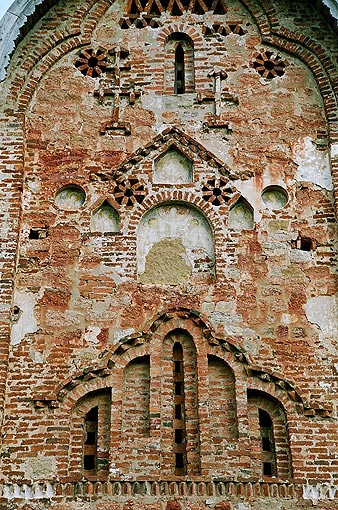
x=179, y=72
x=180, y=441
x=269, y=435
x=90, y=437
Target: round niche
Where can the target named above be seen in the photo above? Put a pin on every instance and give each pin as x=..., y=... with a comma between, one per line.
x=70, y=198
x=275, y=197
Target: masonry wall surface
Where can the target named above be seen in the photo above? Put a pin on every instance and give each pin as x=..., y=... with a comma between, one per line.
x=170, y=344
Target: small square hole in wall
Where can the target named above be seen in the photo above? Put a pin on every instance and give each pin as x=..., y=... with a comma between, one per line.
x=38, y=233
x=304, y=244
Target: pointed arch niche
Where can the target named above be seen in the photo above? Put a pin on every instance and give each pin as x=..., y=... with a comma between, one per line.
x=241, y=216
x=174, y=242
x=172, y=167
x=179, y=69
x=105, y=219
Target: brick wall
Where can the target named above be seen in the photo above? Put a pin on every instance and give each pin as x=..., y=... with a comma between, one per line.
x=170, y=343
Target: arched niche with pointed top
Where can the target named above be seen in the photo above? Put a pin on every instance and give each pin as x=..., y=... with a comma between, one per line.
x=105, y=219
x=172, y=167
x=241, y=216
x=174, y=242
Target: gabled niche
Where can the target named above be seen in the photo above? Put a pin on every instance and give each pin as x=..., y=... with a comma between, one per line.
x=172, y=167
x=241, y=216
x=105, y=219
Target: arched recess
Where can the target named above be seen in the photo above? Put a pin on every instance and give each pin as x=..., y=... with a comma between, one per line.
x=105, y=219
x=180, y=441
x=222, y=403
x=241, y=216
x=179, y=68
x=174, y=243
x=90, y=436
x=172, y=167
x=135, y=399
x=269, y=435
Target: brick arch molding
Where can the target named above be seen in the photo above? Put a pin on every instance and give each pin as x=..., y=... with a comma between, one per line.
x=99, y=377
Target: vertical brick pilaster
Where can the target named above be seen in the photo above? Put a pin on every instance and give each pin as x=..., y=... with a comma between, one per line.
x=11, y=175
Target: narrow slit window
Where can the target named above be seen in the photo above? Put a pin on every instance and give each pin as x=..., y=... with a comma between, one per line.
x=179, y=446
x=90, y=441
x=179, y=70
x=267, y=444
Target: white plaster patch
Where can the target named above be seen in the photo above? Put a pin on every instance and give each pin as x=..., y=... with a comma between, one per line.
x=118, y=334
x=313, y=165
x=27, y=322
x=35, y=490
x=323, y=311
x=334, y=150
x=243, y=506
x=91, y=334
x=321, y=491
x=299, y=256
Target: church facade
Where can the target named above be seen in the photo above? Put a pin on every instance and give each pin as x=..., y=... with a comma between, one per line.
x=168, y=255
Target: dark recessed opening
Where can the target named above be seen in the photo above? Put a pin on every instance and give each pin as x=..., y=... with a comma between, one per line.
x=179, y=460
x=178, y=411
x=306, y=244
x=177, y=366
x=269, y=65
x=128, y=192
x=178, y=388
x=89, y=462
x=217, y=192
x=91, y=438
x=267, y=468
x=92, y=62
x=178, y=436
x=266, y=445
x=264, y=419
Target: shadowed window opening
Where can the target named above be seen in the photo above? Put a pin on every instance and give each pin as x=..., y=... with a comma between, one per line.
x=179, y=70
x=90, y=440
x=267, y=443
x=180, y=453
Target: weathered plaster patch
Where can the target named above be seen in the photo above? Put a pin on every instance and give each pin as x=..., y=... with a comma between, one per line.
x=299, y=256
x=59, y=319
x=323, y=311
x=27, y=322
x=172, y=168
x=313, y=165
x=167, y=264
x=40, y=468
